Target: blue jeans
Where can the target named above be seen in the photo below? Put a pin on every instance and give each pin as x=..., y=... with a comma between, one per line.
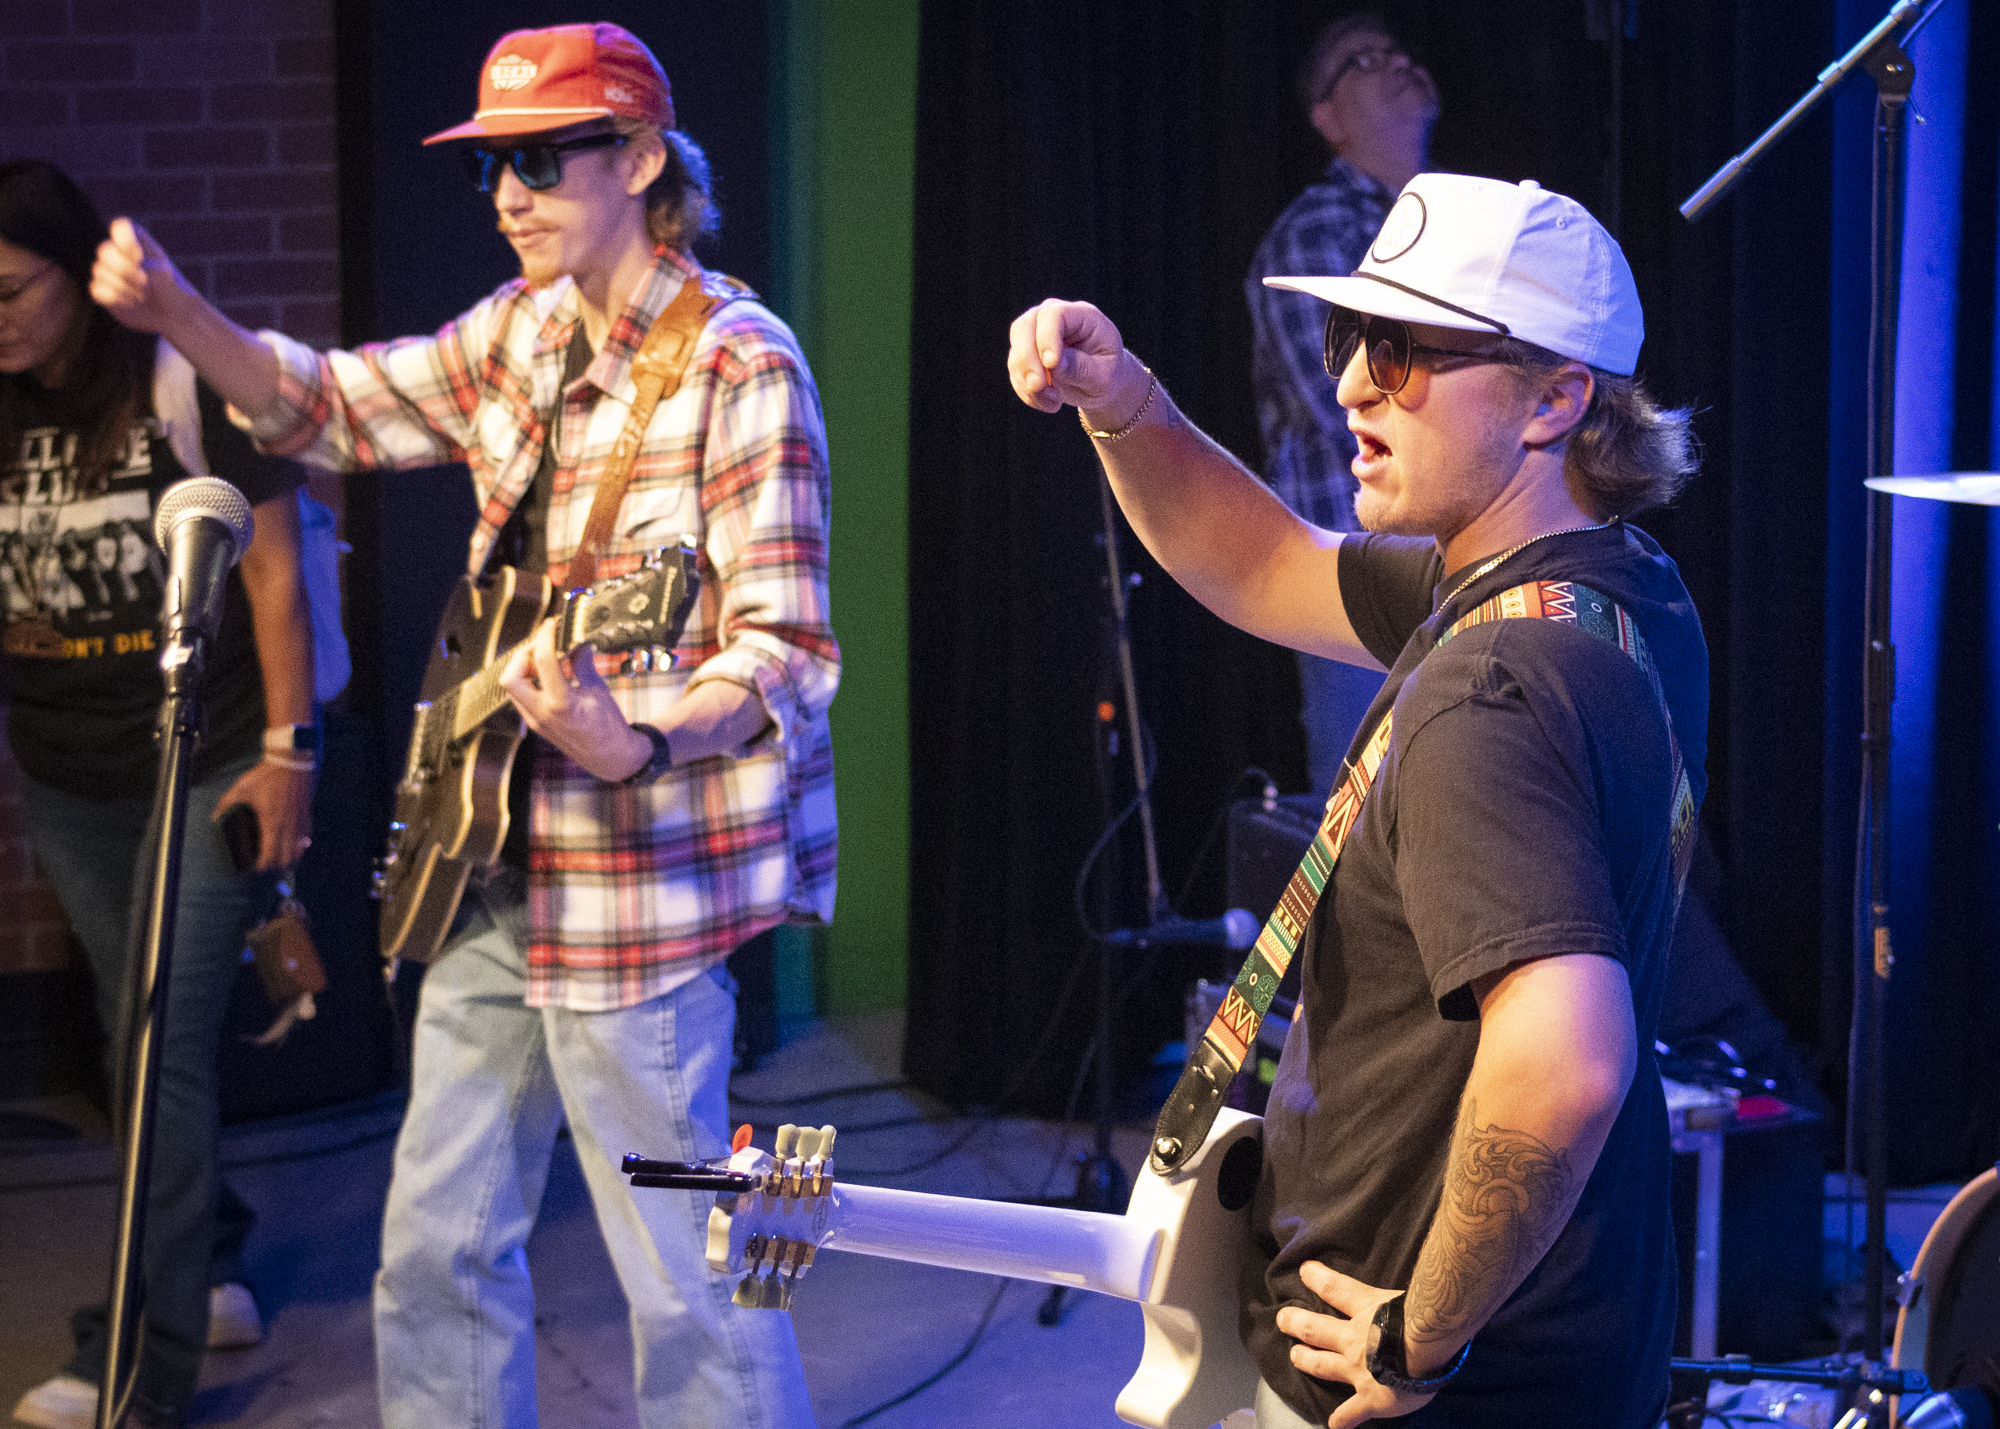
x=1333, y=697
x=492, y=1080
x=91, y=850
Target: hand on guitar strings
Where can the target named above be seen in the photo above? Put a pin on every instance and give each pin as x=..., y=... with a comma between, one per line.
x=567, y=702
x=1336, y=1347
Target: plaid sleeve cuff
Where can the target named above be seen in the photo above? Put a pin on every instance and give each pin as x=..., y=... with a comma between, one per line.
x=761, y=663
x=296, y=419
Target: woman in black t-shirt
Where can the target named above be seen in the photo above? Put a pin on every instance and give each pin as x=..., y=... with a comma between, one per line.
x=84, y=458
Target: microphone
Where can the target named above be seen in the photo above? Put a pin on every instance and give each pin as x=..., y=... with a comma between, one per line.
x=1966, y=1407
x=1238, y=928
x=204, y=526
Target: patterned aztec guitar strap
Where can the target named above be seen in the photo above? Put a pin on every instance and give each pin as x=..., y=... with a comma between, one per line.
x=1213, y=1061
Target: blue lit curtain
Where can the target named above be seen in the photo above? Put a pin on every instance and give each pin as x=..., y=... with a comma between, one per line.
x=1944, y=1005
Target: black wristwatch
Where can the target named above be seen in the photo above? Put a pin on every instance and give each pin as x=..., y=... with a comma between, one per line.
x=659, y=763
x=1386, y=1362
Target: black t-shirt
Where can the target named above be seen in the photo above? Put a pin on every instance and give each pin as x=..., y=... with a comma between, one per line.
x=1520, y=812
x=84, y=723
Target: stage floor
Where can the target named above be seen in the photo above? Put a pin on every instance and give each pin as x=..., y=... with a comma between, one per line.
x=868, y=1329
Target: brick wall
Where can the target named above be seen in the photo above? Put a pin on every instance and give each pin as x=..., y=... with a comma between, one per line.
x=33, y=935
x=211, y=122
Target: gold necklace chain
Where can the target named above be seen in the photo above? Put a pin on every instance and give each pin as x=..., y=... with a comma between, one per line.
x=1512, y=551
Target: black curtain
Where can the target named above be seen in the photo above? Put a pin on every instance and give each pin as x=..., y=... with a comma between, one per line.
x=1133, y=154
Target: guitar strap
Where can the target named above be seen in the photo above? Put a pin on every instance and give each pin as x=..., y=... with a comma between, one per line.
x=657, y=370
x=1185, y=1120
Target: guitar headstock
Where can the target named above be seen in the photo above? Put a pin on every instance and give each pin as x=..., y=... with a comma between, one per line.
x=775, y=1230
x=639, y=615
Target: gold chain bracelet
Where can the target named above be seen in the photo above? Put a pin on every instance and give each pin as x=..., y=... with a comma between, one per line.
x=1152, y=387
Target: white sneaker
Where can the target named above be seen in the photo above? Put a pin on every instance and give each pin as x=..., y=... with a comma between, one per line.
x=233, y=1321
x=64, y=1402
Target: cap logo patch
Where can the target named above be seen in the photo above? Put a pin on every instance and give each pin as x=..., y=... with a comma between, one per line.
x=1401, y=230
x=511, y=71
x=618, y=94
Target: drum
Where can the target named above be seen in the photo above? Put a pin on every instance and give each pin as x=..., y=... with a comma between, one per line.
x=1949, y=1326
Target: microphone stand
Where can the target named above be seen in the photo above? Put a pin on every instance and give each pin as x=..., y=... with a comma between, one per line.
x=144, y=1024
x=1101, y=1183
x=1879, y=52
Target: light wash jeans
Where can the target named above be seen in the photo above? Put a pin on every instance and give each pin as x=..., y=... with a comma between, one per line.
x=1333, y=697
x=492, y=1079
x=90, y=849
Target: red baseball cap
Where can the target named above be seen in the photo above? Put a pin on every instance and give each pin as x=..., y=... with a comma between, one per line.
x=543, y=79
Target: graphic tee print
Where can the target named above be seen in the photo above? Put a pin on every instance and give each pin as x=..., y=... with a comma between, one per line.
x=82, y=721
x=89, y=563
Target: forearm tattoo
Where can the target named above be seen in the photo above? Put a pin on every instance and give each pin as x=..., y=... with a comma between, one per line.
x=1506, y=1196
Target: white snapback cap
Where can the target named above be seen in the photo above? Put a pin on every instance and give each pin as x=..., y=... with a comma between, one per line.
x=1485, y=256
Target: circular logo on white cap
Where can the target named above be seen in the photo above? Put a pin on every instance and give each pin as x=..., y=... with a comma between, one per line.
x=1401, y=230
x=511, y=71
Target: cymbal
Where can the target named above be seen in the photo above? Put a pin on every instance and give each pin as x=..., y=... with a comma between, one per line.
x=1975, y=488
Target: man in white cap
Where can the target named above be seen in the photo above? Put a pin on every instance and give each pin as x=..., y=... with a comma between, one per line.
x=1467, y=1163
x=662, y=818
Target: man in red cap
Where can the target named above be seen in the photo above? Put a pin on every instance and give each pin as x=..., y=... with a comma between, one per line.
x=659, y=819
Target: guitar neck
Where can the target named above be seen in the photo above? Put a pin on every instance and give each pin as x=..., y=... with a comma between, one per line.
x=1084, y=1250
x=480, y=697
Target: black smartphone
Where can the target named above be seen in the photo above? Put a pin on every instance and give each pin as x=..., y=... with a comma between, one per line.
x=241, y=833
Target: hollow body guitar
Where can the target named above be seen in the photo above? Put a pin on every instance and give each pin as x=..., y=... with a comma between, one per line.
x=1179, y=1250
x=451, y=804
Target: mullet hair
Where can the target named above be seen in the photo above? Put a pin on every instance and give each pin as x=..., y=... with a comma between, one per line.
x=680, y=203
x=1628, y=453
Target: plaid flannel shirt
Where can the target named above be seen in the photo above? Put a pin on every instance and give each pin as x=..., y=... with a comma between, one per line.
x=631, y=889
x=1307, y=448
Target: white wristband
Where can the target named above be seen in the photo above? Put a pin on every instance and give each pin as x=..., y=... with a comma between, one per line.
x=291, y=739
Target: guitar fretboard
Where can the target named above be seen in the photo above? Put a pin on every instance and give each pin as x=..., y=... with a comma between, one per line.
x=480, y=697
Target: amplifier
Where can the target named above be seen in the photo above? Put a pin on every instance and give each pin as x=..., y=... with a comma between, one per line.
x=1267, y=838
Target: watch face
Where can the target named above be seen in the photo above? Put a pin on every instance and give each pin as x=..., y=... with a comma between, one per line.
x=1387, y=1353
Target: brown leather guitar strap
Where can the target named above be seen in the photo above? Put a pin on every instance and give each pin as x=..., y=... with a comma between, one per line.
x=657, y=369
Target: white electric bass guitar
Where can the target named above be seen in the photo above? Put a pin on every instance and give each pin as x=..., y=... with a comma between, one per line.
x=1178, y=1250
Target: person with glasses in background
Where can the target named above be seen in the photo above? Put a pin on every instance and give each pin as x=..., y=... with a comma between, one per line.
x=660, y=819
x=1374, y=107
x=1465, y=1196
x=87, y=449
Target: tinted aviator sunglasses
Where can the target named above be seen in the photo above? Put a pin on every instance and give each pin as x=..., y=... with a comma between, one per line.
x=537, y=166
x=1390, y=348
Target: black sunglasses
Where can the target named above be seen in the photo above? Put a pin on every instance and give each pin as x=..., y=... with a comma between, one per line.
x=1389, y=346
x=538, y=166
